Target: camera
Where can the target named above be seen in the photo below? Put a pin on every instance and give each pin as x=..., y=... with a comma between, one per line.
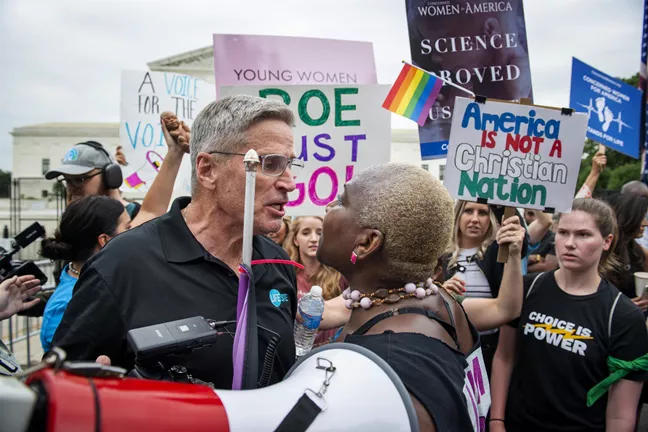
x=10, y=268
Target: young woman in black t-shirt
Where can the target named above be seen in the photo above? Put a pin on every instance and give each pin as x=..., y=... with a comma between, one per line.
x=572, y=320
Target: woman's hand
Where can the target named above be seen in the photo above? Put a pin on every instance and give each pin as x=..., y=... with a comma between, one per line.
x=14, y=292
x=511, y=234
x=455, y=285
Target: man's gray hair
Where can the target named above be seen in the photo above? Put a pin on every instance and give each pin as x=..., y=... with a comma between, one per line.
x=635, y=187
x=221, y=125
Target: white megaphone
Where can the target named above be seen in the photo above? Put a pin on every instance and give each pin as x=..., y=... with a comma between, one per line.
x=353, y=388
x=146, y=173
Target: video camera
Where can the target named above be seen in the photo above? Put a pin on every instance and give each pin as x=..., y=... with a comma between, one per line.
x=10, y=268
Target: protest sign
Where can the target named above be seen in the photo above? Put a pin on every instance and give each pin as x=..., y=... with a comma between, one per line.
x=514, y=155
x=339, y=131
x=613, y=108
x=481, y=46
x=262, y=60
x=144, y=96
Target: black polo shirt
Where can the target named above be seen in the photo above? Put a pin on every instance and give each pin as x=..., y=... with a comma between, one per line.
x=159, y=272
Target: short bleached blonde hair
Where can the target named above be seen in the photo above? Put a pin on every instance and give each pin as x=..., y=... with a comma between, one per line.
x=413, y=211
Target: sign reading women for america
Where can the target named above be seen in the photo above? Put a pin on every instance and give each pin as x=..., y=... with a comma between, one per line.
x=515, y=155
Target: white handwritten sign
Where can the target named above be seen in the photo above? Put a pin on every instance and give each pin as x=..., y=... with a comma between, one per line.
x=515, y=155
x=144, y=96
x=340, y=130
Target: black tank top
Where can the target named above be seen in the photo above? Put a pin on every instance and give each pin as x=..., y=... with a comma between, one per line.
x=433, y=372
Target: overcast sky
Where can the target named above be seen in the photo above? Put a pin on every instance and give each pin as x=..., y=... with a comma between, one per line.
x=61, y=60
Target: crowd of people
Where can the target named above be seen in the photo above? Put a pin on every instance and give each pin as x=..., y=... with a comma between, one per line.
x=406, y=272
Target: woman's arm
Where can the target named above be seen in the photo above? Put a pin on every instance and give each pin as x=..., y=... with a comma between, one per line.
x=335, y=314
x=598, y=165
x=487, y=314
x=623, y=400
x=539, y=227
x=503, y=363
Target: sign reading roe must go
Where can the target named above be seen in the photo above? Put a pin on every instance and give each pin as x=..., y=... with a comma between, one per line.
x=339, y=131
x=515, y=155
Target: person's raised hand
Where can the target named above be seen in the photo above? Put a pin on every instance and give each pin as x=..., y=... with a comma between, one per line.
x=455, y=285
x=13, y=293
x=176, y=133
x=120, y=157
x=512, y=234
x=599, y=161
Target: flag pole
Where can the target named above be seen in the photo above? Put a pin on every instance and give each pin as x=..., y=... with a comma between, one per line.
x=450, y=83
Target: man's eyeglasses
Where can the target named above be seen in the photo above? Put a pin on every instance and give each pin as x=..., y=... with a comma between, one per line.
x=76, y=182
x=274, y=165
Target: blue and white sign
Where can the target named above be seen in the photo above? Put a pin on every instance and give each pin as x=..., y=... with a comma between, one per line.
x=613, y=107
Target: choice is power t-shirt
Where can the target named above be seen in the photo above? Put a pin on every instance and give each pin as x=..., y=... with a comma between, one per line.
x=563, y=345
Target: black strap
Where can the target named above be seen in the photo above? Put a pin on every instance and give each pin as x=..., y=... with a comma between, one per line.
x=428, y=313
x=301, y=416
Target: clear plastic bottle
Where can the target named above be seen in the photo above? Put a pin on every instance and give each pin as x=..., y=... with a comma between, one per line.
x=311, y=308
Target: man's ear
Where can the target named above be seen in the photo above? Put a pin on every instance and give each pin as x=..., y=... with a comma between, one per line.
x=205, y=172
x=369, y=242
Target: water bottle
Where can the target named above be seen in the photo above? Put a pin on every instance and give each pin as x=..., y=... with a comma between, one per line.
x=311, y=308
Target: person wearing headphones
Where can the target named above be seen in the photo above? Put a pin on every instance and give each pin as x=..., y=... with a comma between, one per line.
x=87, y=169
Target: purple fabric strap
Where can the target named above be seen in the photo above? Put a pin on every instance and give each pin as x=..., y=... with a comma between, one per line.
x=240, y=338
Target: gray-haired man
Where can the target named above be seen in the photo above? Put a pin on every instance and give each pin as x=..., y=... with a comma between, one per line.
x=185, y=263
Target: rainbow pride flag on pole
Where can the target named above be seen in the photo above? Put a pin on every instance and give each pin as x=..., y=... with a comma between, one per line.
x=413, y=94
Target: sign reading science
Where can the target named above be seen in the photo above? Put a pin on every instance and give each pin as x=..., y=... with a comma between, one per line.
x=514, y=155
x=339, y=131
x=479, y=45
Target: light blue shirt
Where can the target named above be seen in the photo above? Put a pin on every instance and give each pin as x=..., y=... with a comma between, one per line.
x=55, y=308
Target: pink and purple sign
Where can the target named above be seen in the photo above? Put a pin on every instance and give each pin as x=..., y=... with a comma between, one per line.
x=284, y=60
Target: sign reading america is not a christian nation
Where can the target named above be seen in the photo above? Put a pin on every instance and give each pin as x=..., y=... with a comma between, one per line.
x=514, y=155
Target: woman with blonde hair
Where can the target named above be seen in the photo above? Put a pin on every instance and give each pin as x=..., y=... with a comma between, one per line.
x=469, y=267
x=577, y=357
x=302, y=244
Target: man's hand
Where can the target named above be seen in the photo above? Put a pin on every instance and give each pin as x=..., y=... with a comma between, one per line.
x=511, y=233
x=14, y=292
x=641, y=303
x=176, y=133
x=455, y=285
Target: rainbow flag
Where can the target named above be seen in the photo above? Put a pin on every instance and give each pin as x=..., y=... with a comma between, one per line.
x=413, y=94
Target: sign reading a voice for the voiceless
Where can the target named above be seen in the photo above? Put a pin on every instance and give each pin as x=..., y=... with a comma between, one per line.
x=514, y=155
x=144, y=96
x=340, y=130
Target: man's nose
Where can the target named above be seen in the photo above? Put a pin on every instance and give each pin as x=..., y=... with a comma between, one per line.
x=286, y=181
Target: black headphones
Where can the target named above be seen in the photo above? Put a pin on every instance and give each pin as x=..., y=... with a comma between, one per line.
x=111, y=173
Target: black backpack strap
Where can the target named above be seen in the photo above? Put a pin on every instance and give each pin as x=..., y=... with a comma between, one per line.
x=533, y=284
